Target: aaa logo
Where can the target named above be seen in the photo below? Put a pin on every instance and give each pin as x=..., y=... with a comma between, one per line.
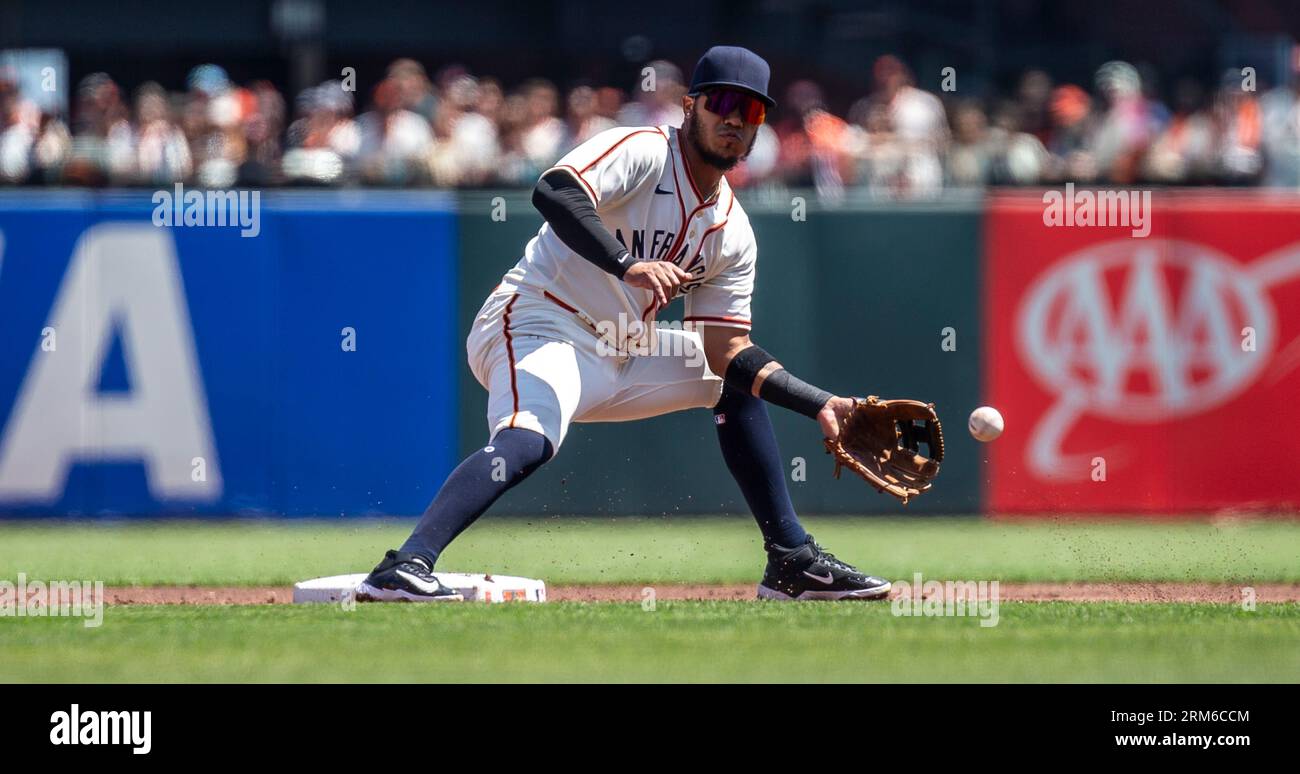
x=1144, y=332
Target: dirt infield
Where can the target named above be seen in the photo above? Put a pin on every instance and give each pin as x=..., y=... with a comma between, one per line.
x=1007, y=592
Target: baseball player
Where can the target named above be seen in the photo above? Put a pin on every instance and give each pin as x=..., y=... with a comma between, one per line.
x=634, y=217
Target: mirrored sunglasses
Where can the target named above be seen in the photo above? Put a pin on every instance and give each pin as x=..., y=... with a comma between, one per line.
x=722, y=102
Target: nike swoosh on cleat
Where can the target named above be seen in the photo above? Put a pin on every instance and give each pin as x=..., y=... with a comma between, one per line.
x=659, y=190
x=827, y=580
x=417, y=583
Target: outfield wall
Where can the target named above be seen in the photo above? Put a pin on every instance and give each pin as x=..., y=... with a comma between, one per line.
x=317, y=368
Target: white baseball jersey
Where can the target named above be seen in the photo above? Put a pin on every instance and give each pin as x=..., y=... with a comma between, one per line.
x=647, y=199
x=558, y=341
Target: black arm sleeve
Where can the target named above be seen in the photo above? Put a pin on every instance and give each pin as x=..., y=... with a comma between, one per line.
x=780, y=388
x=567, y=207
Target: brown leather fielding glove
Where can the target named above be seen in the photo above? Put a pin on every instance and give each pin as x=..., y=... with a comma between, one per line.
x=880, y=441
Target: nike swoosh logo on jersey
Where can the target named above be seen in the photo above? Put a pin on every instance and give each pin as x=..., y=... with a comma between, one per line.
x=828, y=579
x=659, y=190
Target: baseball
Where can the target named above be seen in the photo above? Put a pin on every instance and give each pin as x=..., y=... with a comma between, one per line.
x=985, y=423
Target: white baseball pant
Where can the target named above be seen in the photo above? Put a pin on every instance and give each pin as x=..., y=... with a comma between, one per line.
x=544, y=367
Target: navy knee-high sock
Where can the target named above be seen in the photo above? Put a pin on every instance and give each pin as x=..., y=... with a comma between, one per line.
x=474, y=485
x=749, y=447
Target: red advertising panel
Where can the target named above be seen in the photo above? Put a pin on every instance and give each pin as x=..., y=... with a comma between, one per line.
x=1145, y=354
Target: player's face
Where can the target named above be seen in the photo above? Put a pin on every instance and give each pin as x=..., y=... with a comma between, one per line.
x=724, y=139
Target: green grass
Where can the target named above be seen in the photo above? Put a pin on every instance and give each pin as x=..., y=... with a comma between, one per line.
x=683, y=641
x=656, y=550
x=699, y=641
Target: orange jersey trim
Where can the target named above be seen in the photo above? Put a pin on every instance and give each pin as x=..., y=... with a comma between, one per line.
x=733, y=320
x=590, y=191
x=627, y=137
x=716, y=226
x=557, y=301
x=510, y=353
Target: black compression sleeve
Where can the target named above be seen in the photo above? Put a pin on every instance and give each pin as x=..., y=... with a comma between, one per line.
x=780, y=388
x=789, y=391
x=567, y=207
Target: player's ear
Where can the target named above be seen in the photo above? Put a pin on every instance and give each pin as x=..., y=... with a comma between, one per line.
x=688, y=102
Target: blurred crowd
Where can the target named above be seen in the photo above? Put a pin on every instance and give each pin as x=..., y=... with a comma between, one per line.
x=459, y=129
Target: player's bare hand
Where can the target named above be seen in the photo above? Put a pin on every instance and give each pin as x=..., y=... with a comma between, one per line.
x=835, y=411
x=663, y=278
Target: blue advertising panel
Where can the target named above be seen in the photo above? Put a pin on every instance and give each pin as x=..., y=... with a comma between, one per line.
x=298, y=357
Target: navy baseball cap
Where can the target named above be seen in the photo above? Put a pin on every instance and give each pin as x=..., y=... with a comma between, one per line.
x=733, y=66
